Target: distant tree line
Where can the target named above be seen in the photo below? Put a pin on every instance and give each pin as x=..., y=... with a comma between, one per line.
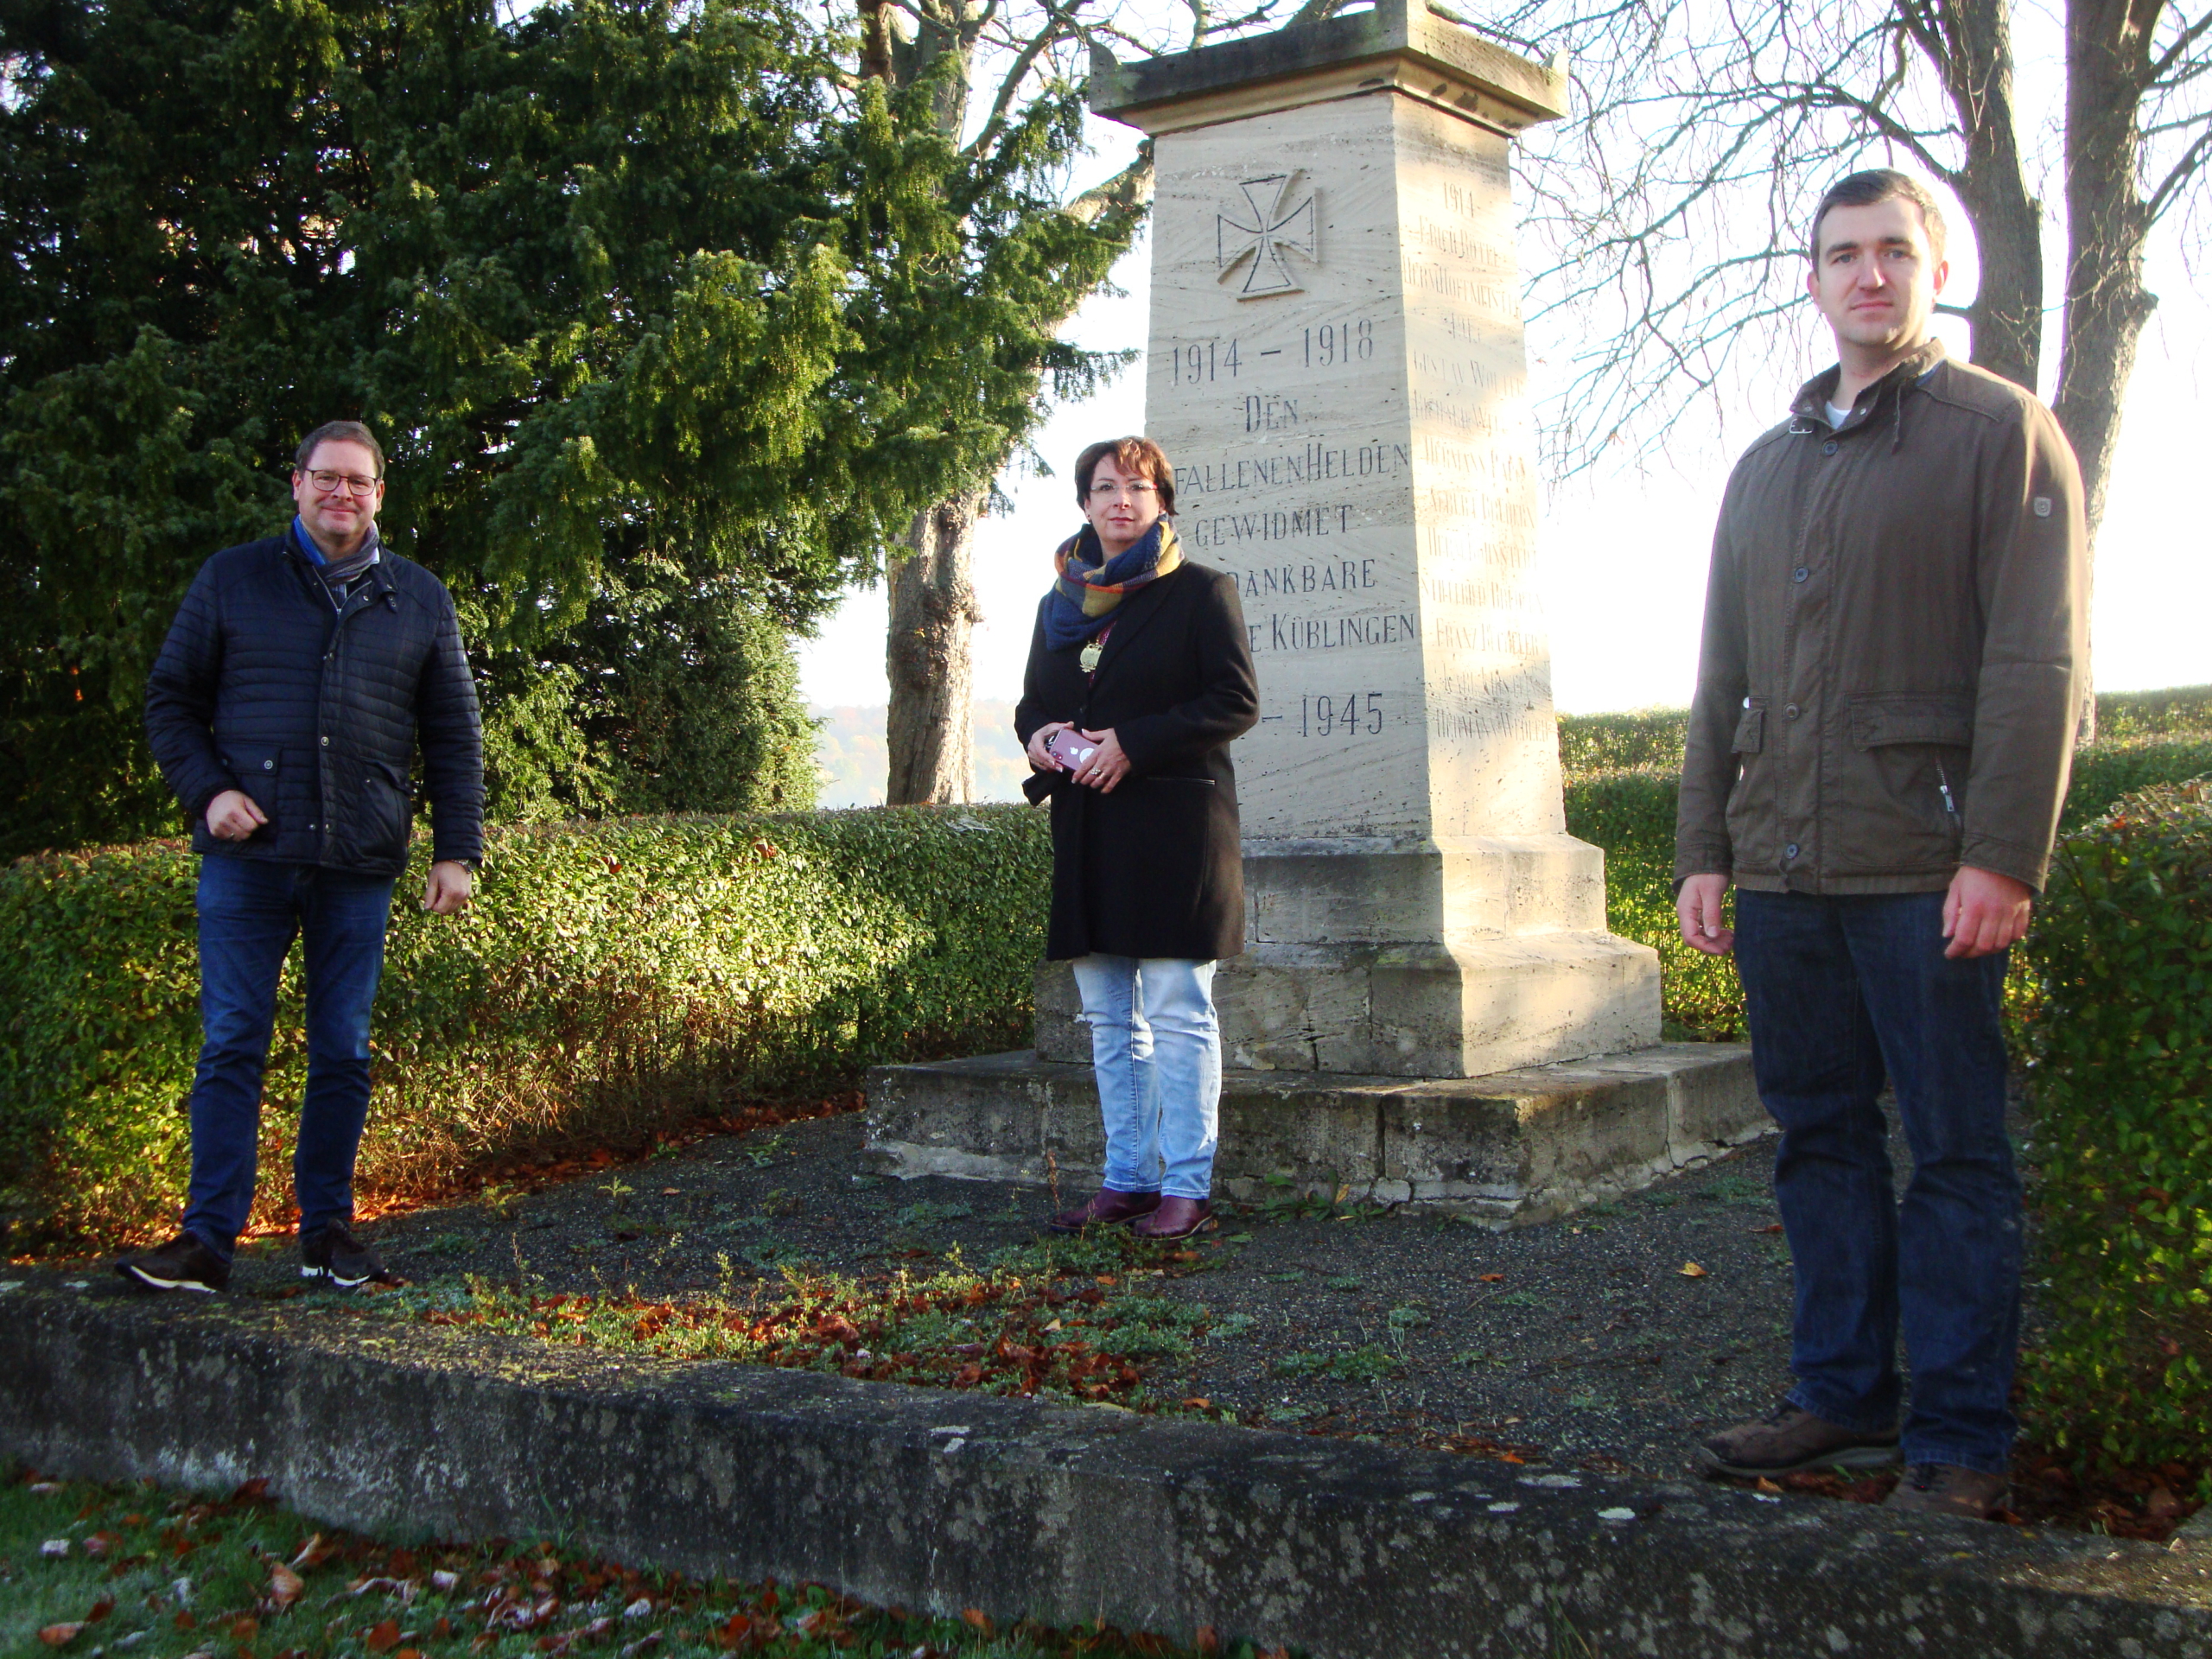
x=670, y=322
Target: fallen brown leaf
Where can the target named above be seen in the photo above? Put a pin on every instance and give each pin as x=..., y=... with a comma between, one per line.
x=1771, y=1227
x=1766, y=1485
x=381, y=1638
x=61, y=1635
x=245, y=1629
x=1491, y=1278
x=285, y=1586
x=1691, y=1270
x=980, y=1619
x=313, y=1553
x=1209, y=1640
x=100, y=1609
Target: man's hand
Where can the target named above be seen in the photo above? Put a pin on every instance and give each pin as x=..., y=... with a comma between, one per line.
x=1108, y=766
x=232, y=815
x=1040, y=758
x=1697, y=908
x=447, y=889
x=1985, y=911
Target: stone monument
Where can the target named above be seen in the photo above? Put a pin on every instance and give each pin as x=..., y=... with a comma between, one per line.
x=1337, y=369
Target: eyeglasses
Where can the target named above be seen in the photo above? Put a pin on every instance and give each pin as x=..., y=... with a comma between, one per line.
x=327, y=483
x=1138, y=489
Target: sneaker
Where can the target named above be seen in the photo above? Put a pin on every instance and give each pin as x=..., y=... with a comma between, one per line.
x=1791, y=1438
x=1947, y=1489
x=183, y=1263
x=334, y=1256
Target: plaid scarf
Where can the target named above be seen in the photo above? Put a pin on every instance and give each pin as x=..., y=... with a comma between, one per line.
x=1087, y=585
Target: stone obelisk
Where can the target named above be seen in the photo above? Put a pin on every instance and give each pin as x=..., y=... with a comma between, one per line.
x=1336, y=367
x=1429, y=1008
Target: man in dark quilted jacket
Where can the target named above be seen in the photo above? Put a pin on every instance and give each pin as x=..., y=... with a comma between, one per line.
x=300, y=677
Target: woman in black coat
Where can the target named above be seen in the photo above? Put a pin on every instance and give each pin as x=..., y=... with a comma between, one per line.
x=1139, y=675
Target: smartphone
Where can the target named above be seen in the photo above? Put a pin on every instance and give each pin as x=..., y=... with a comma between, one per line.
x=1070, y=748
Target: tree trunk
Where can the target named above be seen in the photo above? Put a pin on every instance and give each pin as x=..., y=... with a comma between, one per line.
x=2107, y=222
x=1976, y=64
x=928, y=730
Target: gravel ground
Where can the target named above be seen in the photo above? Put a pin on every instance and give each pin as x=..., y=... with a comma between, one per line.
x=1583, y=1342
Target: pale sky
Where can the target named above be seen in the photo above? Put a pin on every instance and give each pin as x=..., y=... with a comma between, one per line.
x=1626, y=555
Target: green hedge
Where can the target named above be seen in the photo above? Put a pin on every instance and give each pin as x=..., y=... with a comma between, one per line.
x=614, y=977
x=2121, y=1065
x=1650, y=740
x=609, y=979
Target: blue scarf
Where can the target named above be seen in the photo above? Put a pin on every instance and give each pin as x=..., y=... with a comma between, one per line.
x=1087, y=586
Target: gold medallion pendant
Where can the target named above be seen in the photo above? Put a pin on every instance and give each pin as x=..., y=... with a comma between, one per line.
x=1088, y=656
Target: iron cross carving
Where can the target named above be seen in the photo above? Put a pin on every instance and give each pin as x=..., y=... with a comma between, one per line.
x=1275, y=223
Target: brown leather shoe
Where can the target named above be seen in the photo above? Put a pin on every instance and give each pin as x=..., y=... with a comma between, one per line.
x=1791, y=1438
x=1948, y=1489
x=1107, y=1209
x=1175, y=1219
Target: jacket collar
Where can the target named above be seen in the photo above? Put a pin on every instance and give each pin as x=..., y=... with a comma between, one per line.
x=1129, y=619
x=373, y=584
x=1809, y=410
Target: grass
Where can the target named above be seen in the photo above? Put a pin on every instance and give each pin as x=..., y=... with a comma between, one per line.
x=157, y=1575
x=1062, y=1318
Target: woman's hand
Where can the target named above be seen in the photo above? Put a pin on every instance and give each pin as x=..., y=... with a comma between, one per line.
x=1040, y=758
x=1108, y=766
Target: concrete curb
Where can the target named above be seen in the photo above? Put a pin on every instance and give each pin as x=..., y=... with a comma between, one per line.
x=943, y=1502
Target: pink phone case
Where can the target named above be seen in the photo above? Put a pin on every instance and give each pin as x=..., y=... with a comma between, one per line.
x=1068, y=748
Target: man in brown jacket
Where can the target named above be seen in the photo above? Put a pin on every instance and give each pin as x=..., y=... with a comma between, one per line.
x=1886, y=696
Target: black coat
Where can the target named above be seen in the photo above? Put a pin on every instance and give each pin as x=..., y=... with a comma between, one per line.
x=1152, y=869
x=262, y=686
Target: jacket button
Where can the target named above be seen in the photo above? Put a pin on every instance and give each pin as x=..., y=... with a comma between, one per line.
x=268, y=765
x=1790, y=851
x=1828, y=448
x=1792, y=710
x=1799, y=574
x=326, y=743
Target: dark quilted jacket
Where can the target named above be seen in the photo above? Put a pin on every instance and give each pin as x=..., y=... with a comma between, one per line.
x=264, y=686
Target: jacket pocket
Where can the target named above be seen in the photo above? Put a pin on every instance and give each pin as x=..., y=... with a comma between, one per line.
x=387, y=809
x=259, y=771
x=1878, y=722
x=1749, y=811
x=1899, y=797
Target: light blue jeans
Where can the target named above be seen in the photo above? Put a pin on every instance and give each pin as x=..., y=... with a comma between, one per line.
x=1156, y=1048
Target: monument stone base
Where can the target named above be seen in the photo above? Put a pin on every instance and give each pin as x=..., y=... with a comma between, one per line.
x=1511, y=1148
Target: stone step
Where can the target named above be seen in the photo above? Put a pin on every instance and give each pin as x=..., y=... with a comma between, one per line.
x=1511, y=1148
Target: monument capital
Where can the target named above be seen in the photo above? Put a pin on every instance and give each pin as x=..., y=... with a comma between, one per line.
x=1396, y=45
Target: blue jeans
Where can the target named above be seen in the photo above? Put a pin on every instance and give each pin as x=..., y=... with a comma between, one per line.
x=1840, y=992
x=1156, y=1046
x=250, y=910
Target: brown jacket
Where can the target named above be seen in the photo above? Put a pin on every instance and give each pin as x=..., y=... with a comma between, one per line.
x=1894, y=641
